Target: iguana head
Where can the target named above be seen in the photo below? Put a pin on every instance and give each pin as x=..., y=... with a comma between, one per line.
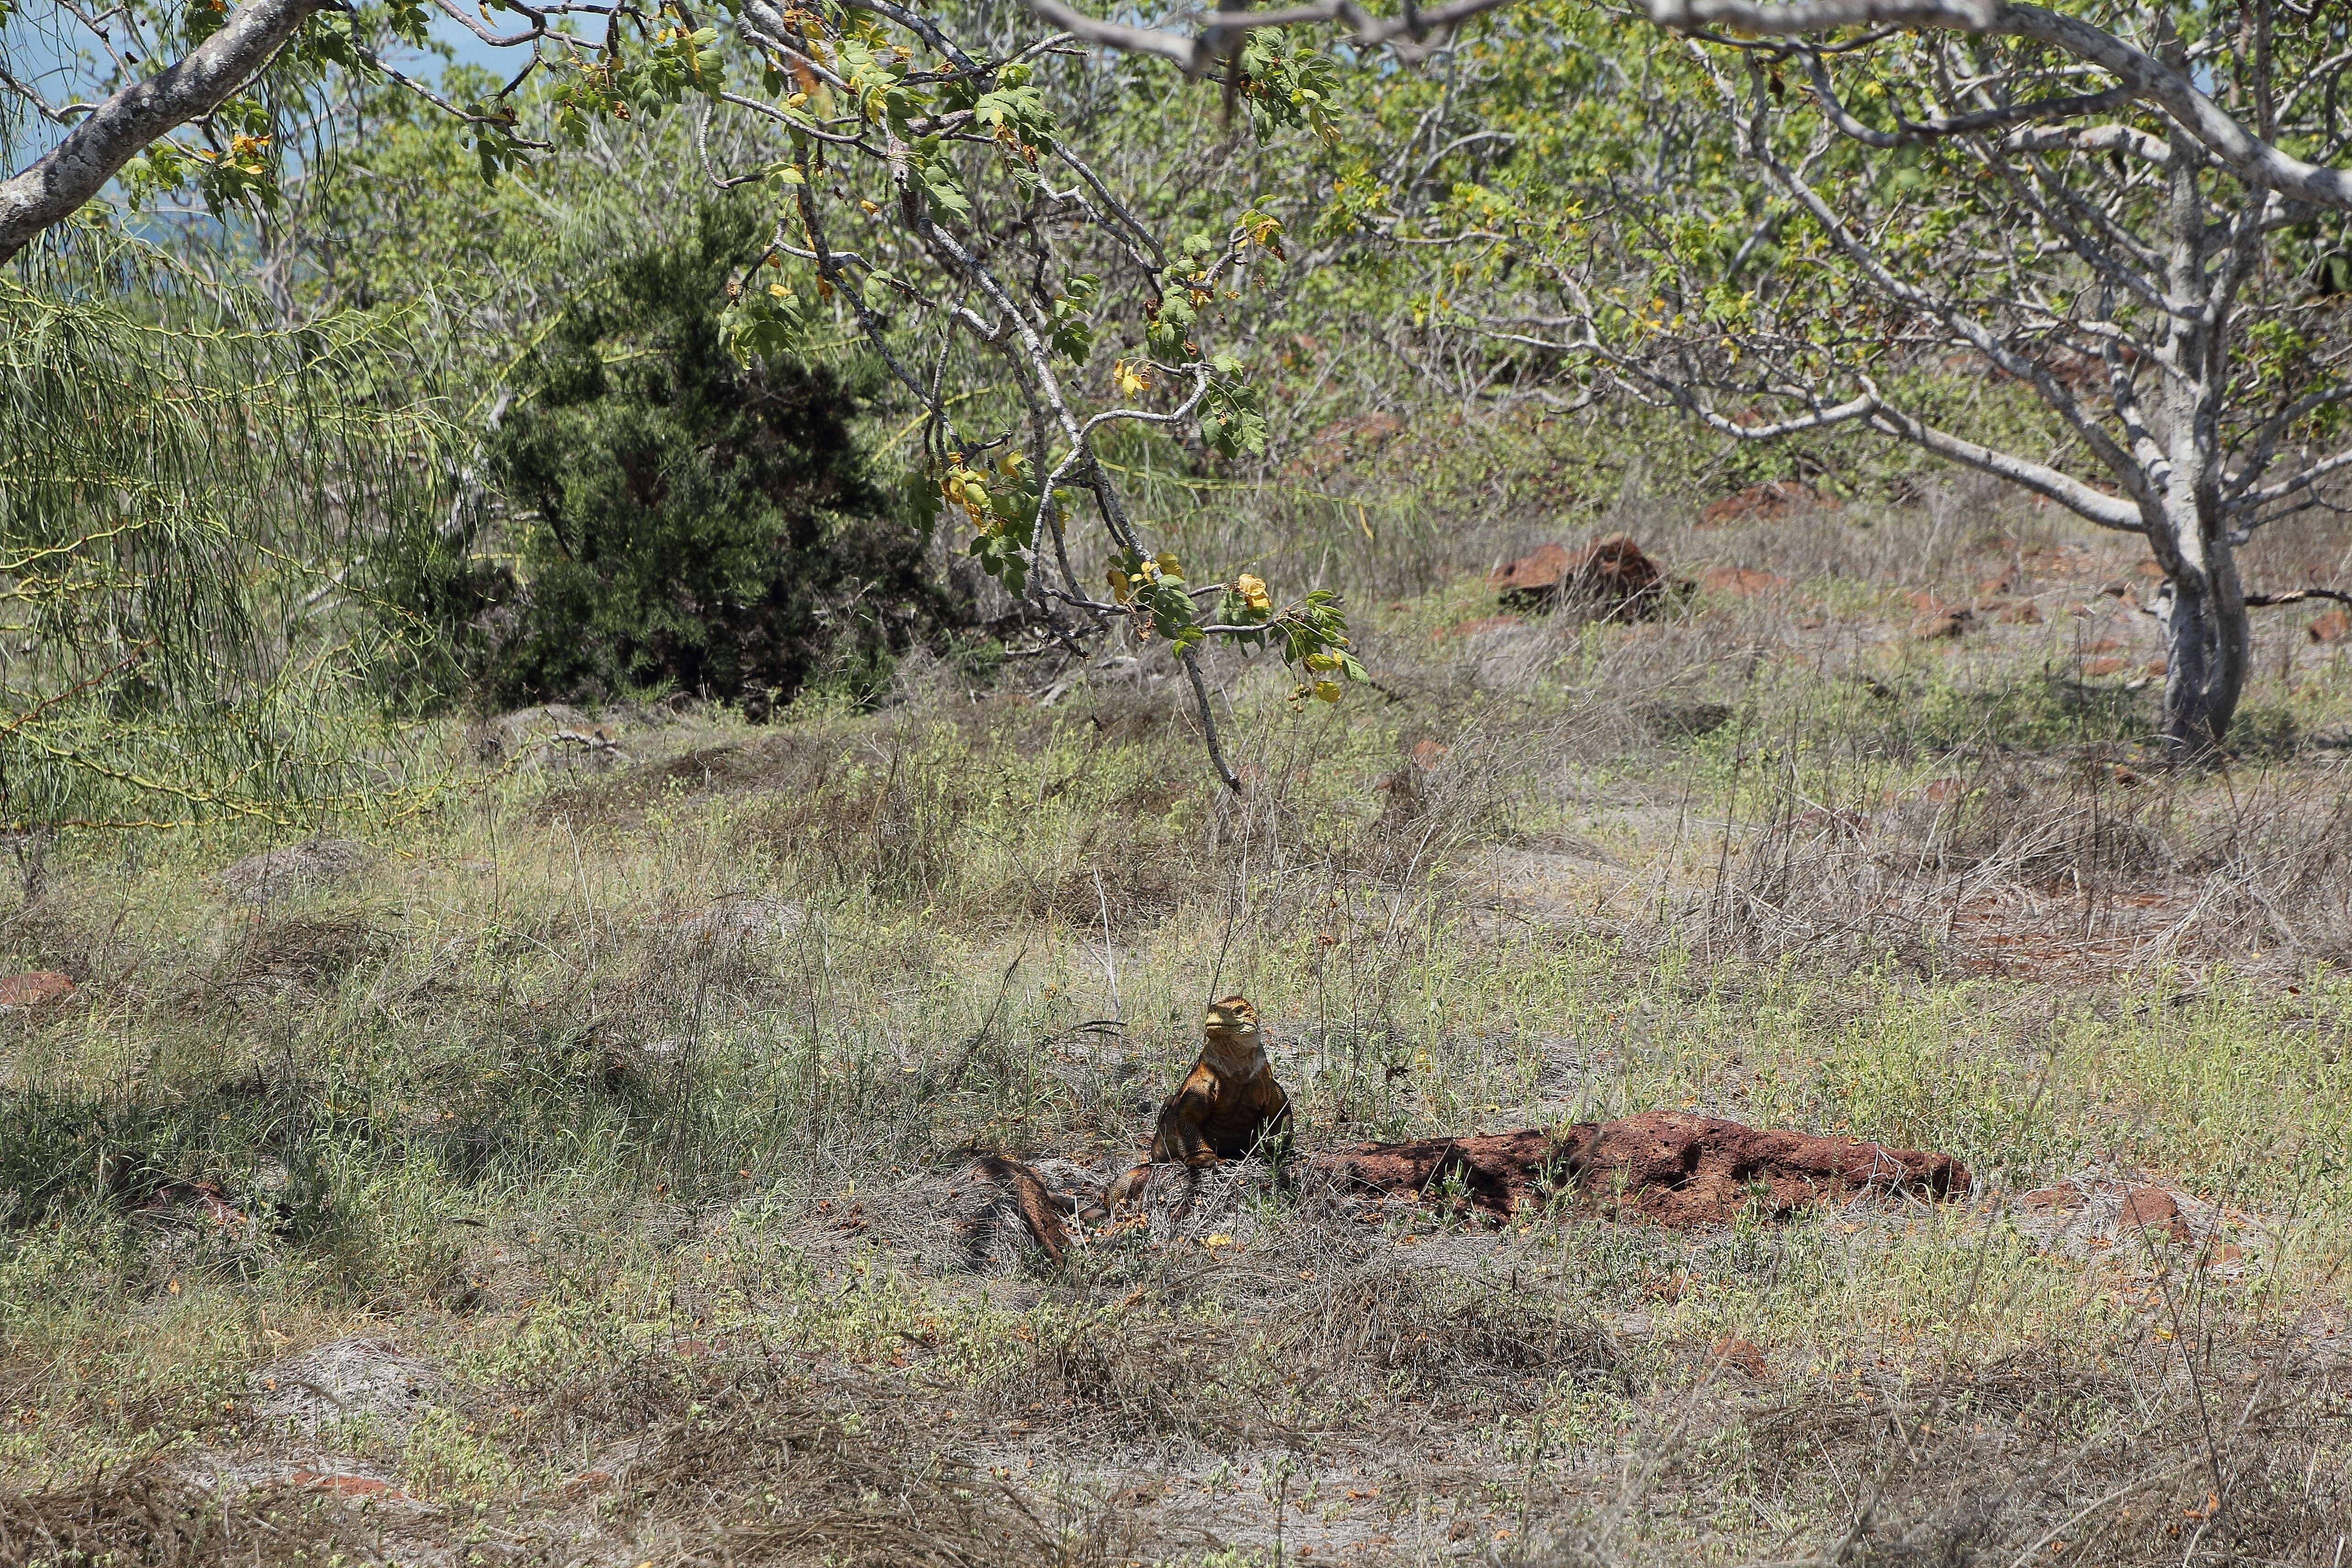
x=1231, y=1024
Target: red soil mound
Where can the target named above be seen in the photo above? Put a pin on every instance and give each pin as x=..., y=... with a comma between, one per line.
x=1664, y=1167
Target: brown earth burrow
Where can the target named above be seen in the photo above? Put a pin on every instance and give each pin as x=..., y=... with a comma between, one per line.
x=1662, y=1167
x=1612, y=576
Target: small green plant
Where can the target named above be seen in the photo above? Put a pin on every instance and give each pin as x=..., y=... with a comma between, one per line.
x=448, y=1456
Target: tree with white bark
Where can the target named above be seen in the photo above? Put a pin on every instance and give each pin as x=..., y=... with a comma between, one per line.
x=1940, y=216
x=2112, y=207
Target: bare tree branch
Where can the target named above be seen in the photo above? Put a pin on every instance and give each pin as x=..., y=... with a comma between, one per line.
x=1909, y=130
x=2252, y=159
x=2092, y=506
x=1197, y=52
x=2297, y=595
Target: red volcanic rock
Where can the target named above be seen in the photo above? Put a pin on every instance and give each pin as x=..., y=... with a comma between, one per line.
x=1540, y=571
x=1664, y=1166
x=38, y=985
x=1612, y=574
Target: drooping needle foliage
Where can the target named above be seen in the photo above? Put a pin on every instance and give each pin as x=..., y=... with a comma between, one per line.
x=184, y=495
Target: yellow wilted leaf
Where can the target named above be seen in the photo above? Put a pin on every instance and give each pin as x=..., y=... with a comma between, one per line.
x=1128, y=380
x=1119, y=588
x=1328, y=690
x=1252, y=591
x=1166, y=562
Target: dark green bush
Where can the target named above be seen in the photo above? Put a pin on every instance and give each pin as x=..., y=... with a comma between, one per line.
x=682, y=522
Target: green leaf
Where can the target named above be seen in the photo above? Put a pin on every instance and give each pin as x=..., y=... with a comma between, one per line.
x=946, y=191
x=1233, y=418
x=762, y=323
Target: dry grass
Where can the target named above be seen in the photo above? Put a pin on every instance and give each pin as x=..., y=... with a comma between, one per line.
x=621, y=1098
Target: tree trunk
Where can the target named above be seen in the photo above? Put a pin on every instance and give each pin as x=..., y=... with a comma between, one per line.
x=2204, y=615
x=140, y=114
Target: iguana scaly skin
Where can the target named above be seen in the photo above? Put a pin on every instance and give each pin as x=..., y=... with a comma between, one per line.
x=1229, y=1103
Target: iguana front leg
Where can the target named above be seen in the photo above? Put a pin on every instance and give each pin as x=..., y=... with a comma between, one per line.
x=1178, y=1139
x=1181, y=1137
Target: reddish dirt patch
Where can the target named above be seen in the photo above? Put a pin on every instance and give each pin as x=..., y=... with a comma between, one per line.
x=1364, y=433
x=2105, y=666
x=34, y=987
x=1742, y=582
x=1664, y=1166
x=1345, y=442
x=2023, y=613
x=2336, y=625
x=1765, y=503
x=1740, y=1356
x=1938, y=619
x=1471, y=629
x=587, y=1484
x=1936, y=790
x=2138, y=1205
x=200, y=1196
x=1612, y=574
x=346, y=1486
x=2051, y=935
x=2153, y=1205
